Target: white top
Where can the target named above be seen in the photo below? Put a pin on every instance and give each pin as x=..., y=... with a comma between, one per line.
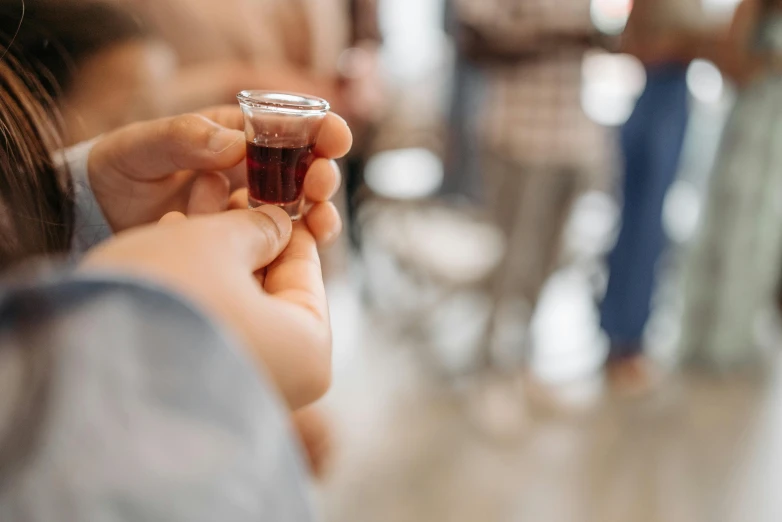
x=675, y=14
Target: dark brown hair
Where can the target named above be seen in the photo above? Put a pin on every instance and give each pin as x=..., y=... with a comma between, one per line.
x=43, y=42
x=36, y=205
x=36, y=219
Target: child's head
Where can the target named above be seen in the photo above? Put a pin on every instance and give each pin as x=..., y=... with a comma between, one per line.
x=43, y=56
x=94, y=58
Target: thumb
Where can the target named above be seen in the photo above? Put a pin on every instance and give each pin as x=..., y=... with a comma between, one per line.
x=254, y=237
x=171, y=218
x=153, y=150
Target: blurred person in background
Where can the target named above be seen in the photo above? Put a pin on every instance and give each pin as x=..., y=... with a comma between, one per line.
x=539, y=149
x=222, y=47
x=733, y=270
x=361, y=81
x=651, y=145
x=295, y=45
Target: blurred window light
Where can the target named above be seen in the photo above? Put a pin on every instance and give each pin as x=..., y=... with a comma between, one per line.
x=591, y=228
x=722, y=7
x=414, y=39
x=682, y=211
x=610, y=16
x=405, y=174
x=705, y=82
x=612, y=84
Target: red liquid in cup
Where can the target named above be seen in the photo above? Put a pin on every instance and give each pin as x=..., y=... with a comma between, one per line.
x=275, y=175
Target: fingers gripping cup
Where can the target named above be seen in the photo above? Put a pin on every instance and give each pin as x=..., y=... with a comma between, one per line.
x=281, y=130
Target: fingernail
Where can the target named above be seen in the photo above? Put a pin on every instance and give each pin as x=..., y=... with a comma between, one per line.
x=330, y=239
x=223, y=139
x=280, y=219
x=338, y=175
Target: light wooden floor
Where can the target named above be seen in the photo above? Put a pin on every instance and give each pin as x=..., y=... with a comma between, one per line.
x=699, y=450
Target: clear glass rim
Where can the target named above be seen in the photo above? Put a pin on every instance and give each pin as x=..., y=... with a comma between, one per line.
x=285, y=102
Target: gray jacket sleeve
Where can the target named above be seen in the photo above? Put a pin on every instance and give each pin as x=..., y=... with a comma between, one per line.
x=90, y=227
x=150, y=413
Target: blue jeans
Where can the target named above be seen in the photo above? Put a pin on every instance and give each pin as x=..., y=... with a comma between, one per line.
x=463, y=175
x=651, y=142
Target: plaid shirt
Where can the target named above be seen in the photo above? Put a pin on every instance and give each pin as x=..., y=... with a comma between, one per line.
x=522, y=20
x=534, y=115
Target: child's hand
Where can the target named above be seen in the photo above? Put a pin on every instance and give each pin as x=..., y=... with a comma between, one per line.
x=192, y=164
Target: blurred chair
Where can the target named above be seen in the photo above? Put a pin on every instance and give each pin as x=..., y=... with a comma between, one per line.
x=421, y=254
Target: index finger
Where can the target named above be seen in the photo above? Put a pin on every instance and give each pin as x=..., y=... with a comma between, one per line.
x=229, y=116
x=296, y=275
x=334, y=140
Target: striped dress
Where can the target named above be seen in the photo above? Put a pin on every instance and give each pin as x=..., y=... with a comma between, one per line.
x=733, y=270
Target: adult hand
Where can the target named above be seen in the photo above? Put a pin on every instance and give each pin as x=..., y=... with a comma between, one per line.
x=281, y=318
x=191, y=164
x=314, y=432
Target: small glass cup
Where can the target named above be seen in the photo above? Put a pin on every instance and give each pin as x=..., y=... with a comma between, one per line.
x=281, y=129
